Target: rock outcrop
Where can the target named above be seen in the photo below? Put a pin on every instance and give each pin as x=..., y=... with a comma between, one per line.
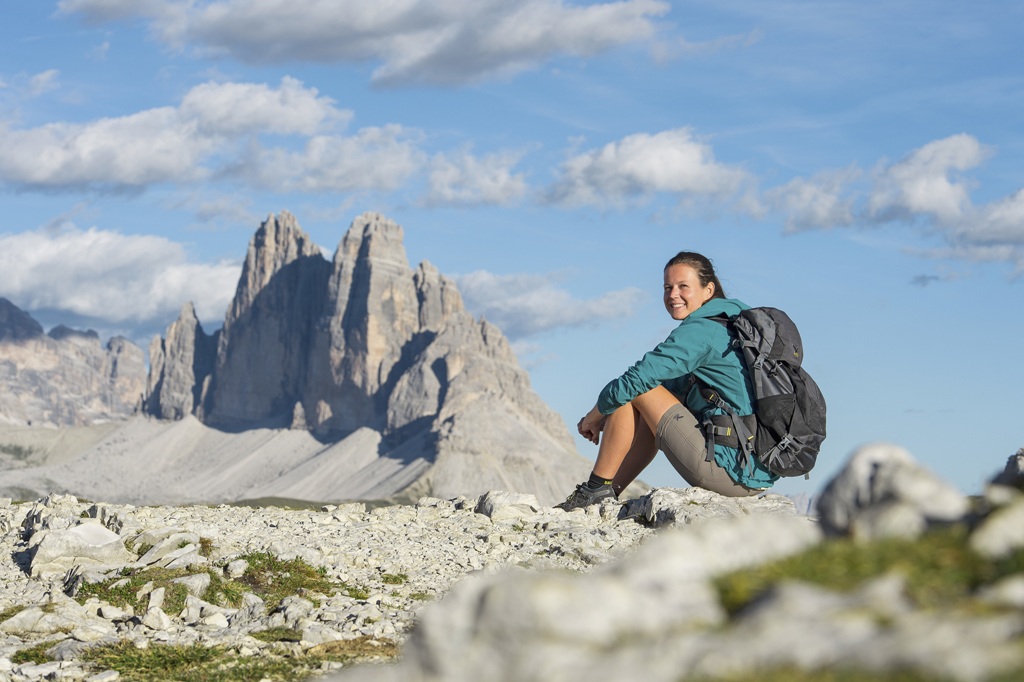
x=357, y=378
x=179, y=366
x=66, y=377
x=491, y=588
x=365, y=347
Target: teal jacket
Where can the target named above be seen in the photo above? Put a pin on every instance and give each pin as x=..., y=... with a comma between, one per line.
x=701, y=347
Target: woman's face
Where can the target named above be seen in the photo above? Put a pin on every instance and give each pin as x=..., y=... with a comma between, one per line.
x=683, y=292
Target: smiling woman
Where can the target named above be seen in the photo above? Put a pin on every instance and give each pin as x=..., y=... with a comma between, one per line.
x=657, y=403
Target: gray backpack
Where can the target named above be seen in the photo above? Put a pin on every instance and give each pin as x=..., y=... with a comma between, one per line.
x=788, y=425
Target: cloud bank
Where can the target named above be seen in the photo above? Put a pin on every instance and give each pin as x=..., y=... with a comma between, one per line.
x=641, y=165
x=928, y=188
x=111, y=276
x=524, y=305
x=411, y=41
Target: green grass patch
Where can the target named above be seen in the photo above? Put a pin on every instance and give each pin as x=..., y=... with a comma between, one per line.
x=34, y=654
x=223, y=592
x=273, y=579
x=196, y=663
x=358, y=650
x=939, y=568
x=11, y=611
x=394, y=579
x=268, y=577
x=206, y=547
x=278, y=635
x=141, y=548
x=355, y=591
x=123, y=591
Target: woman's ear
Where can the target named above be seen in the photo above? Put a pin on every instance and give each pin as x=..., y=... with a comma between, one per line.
x=710, y=291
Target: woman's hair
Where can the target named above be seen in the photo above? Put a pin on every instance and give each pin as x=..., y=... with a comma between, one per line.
x=702, y=266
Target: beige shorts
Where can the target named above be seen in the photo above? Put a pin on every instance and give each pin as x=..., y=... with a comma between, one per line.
x=680, y=437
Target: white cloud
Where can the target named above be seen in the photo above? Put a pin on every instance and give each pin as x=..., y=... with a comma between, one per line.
x=640, y=165
x=1001, y=221
x=469, y=180
x=815, y=203
x=523, y=305
x=413, y=40
x=925, y=182
x=131, y=151
x=166, y=144
x=926, y=189
x=111, y=276
x=372, y=159
x=248, y=108
x=43, y=82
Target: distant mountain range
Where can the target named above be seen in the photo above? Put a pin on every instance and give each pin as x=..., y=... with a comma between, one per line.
x=66, y=377
x=348, y=379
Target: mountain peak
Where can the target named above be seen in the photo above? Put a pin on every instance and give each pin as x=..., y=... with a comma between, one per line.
x=366, y=345
x=15, y=324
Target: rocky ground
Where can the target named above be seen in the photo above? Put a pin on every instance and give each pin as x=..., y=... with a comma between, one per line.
x=500, y=588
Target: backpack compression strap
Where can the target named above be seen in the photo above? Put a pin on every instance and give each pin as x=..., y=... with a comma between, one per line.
x=739, y=435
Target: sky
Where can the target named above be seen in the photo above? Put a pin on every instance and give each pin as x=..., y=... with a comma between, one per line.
x=856, y=163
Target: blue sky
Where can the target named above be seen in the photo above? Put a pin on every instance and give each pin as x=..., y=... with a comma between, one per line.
x=855, y=163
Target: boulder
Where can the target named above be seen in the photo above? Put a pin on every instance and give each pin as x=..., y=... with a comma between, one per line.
x=54, y=552
x=883, y=491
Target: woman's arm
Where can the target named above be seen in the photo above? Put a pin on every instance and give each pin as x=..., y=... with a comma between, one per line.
x=685, y=349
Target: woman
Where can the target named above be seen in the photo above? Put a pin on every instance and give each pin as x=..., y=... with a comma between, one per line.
x=657, y=405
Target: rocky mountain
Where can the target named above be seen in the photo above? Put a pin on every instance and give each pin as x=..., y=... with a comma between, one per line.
x=352, y=379
x=67, y=377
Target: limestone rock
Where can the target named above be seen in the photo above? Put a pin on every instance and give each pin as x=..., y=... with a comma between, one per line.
x=365, y=345
x=67, y=377
x=471, y=594
x=179, y=367
x=671, y=506
x=882, y=482
x=53, y=552
x=1001, y=533
x=359, y=378
x=264, y=347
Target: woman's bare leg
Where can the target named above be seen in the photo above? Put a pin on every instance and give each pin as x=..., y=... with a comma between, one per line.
x=627, y=442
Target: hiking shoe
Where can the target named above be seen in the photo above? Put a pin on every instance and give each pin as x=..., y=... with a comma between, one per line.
x=584, y=496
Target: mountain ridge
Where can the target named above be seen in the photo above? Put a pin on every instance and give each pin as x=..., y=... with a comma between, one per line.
x=400, y=389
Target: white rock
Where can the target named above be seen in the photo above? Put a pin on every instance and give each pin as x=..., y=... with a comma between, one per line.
x=156, y=619
x=1001, y=533
x=236, y=568
x=55, y=551
x=883, y=473
x=215, y=620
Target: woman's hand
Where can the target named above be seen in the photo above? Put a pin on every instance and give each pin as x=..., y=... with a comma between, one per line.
x=591, y=425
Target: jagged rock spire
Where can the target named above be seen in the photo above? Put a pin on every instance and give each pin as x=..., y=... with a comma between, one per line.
x=367, y=343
